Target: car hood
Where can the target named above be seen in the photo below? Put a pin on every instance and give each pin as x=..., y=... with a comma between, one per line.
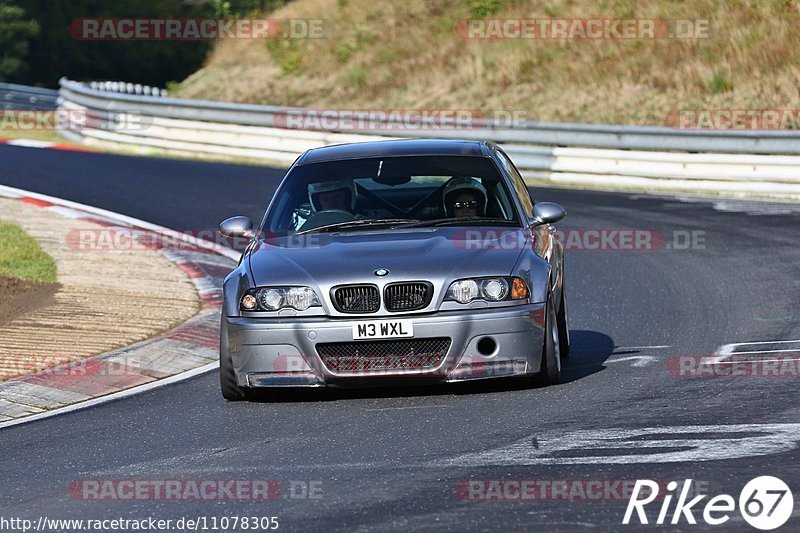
x=413, y=254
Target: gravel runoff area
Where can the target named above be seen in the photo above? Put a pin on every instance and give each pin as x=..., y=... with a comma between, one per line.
x=105, y=298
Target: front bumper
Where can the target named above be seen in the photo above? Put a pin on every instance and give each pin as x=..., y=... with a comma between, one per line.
x=282, y=352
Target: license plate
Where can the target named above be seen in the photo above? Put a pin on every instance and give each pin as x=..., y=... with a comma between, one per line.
x=383, y=329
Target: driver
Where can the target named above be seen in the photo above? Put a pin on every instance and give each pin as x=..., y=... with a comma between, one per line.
x=464, y=197
x=337, y=195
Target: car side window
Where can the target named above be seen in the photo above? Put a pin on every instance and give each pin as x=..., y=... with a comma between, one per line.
x=500, y=201
x=518, y=183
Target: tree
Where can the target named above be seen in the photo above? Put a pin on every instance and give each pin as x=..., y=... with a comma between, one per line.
x=55, y=52
x=15, y=34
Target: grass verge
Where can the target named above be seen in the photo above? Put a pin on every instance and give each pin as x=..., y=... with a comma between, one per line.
x=21, y=257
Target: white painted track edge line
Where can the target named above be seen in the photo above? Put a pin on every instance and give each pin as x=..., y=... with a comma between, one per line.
x=139, y=389
x=789, y=350
x=13, y=192
x=725, y=349
x=757, y=361
x=651, y=346
x=735, y=344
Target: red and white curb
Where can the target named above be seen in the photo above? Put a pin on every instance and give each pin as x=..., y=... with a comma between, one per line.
x=31, y=143
x=186, y=351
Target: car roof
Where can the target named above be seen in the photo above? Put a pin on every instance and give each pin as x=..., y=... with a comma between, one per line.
x=403, y=147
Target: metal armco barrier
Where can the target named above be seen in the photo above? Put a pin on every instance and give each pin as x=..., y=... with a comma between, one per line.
x=660, y=158
x=22, y=97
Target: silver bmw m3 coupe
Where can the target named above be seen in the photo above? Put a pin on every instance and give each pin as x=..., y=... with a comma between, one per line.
x=395, y=262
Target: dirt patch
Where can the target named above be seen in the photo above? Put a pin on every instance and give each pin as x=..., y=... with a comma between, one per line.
x=18, y=297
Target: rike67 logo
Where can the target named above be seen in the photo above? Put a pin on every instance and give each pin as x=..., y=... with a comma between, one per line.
x=765, y=503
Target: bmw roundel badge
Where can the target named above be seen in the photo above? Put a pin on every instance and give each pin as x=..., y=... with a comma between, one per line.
x=381, y=272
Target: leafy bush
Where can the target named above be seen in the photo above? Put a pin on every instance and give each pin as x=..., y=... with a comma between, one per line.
x=479, y=9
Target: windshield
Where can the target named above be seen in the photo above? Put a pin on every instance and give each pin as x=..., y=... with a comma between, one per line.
x=389, y=192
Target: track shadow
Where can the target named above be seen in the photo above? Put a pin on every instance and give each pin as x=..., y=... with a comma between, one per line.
x=290, y=395
x=589, y=351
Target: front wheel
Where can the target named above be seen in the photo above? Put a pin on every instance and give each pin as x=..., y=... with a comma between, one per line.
x=550, y=372
x=563, y=324
x=227, y=376
x=227, y=382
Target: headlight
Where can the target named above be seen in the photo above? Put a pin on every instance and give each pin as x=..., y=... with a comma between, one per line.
x=490, y=289
x=274, y=298
x=301, y=298
x=494, y=289
x=463, y=291
x=271, y=299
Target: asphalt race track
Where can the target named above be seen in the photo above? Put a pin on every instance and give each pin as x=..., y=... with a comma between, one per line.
x=399, y=459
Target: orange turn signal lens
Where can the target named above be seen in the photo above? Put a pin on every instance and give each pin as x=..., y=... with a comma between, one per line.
x=519, y=290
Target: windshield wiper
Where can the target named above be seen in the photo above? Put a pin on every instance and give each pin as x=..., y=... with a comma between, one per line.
x=359, y=223
x=461, y=221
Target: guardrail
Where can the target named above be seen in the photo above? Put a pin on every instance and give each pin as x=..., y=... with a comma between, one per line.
x=127, y=88
x=13, y=96
x=585, y=154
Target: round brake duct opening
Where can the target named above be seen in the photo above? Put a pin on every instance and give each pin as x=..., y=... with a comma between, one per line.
x=487, y=346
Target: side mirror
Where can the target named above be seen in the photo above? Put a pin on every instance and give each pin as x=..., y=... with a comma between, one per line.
x=547, y=213
x=236, y=227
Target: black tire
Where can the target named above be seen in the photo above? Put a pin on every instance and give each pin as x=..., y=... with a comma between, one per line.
x=550, y=372
x=227, y=377
x=563, y=324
